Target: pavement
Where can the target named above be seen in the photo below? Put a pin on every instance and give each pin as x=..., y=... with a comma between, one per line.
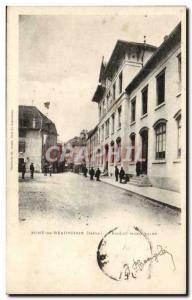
x=62, y=221
x=69, y=196
x=165, y=197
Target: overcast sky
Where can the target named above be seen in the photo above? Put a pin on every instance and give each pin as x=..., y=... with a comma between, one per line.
x=60, y=57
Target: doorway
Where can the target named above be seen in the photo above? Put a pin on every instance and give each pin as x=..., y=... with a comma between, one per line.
x=144, y=150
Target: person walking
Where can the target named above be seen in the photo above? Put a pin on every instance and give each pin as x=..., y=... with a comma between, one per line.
x=23, y=170
x=32, y=169
x=85, y=171
x=45, y=169
x=97, y=174
x=91, y=173
x=138, y=168
x=50, y=170
x=116, y=173
x=121, y=174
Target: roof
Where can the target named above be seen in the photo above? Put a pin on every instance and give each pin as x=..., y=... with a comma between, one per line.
x=27, y=115
x=169, y=43
x=121, y=48
x=100, y=90
x=91, y=132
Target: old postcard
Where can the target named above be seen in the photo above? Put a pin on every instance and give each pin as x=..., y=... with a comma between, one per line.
x=96, y=150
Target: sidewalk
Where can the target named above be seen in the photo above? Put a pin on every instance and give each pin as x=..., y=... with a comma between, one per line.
x=165, y=197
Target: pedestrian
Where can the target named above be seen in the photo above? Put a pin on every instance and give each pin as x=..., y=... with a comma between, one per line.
x=97, y=174
x=85, y=171
x=116, y=173
x=138, y=168
x=32, y=169
x=45, y=169
x=91, y=173
x=50, y=169
x=121, y=174
x=23, y=170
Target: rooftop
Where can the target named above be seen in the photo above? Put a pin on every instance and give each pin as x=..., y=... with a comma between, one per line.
x=32, y=118
x=169, y=42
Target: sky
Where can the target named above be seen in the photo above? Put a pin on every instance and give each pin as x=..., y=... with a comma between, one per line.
x=60, y=58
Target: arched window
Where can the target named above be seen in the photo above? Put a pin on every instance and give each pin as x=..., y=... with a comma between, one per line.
x=132, y=154
x=178, y=120
x=118, y=154
x=112, y=144
x=160, y=137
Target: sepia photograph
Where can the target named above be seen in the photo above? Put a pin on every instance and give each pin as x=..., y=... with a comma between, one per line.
x=96, y=137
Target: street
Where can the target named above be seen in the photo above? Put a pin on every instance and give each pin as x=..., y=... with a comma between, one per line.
x=75, y=199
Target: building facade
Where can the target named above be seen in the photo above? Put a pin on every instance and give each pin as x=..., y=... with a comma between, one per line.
x=155, y=116
x=139, y=109
x=37, y=134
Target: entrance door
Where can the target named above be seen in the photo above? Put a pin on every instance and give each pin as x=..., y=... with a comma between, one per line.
x=106, y=157
x=144, y=151
x=21, y=161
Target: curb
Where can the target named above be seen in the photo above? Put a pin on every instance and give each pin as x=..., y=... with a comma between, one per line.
x=146, y=197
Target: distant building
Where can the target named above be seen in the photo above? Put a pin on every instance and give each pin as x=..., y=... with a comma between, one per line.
x=75, y=152
x=37, y=134
x=139, y=109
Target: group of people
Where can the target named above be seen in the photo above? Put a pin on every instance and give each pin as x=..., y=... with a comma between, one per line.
x=119, y=174
x=23, y=170
x=47, y=170
x=92, y=173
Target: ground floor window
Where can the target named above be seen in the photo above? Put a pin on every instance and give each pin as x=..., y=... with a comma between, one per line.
x=160, y=145
x=132, y=138
x=112, y=152
x=22, y=147
x=178, y=136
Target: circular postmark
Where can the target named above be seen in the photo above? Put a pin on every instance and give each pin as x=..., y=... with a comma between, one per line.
x=126, y=255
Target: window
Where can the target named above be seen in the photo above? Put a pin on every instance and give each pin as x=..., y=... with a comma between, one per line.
x=119, y=117
x=120, y=82
x=23, y=122
x=160, y=145
x=102, y=133
x=133, y=108
x=160, y=87
x=22, y=147
x=22, y=133
x=118, y=153
x=144, y=100
x=113, y=123
x=114, y=91
x=178, y=136
x=107, y=128
x=132, y=137
x=179, y=71
x=112, y=152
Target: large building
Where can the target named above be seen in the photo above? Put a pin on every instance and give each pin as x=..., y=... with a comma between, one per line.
x=37, y=134
x=139, y=108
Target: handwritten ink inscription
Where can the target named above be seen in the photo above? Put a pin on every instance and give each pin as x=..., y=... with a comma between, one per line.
x=131, y=256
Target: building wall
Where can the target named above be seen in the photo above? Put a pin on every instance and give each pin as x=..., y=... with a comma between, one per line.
x=33, y=149
x=162, y=173
x=129, y=68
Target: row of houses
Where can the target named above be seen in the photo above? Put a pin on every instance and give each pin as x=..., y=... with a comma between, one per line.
x=139, y=104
